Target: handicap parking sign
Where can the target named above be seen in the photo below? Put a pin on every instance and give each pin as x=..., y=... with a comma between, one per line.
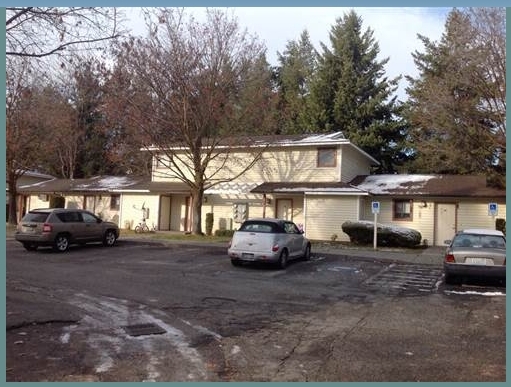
x=493, y=209
x=376, y=207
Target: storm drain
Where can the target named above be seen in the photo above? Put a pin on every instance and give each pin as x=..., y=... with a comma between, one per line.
x=144, y=329
x=402, y=278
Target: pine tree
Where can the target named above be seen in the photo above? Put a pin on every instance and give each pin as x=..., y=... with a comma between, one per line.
x=457, y=104
x=298, y=64
x=351, y=93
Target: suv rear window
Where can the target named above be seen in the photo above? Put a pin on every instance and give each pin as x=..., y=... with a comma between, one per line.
x=36, y=217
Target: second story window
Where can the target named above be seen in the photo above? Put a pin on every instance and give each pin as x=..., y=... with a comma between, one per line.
x=327, y=157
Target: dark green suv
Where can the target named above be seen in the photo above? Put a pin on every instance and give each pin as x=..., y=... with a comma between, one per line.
x=61, y=227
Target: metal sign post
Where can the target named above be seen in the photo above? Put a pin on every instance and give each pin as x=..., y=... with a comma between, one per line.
x=376, y=210
x=493, y=211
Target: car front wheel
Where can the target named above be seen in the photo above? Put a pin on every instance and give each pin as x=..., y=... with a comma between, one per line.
x=109, y=238
x=61, y=243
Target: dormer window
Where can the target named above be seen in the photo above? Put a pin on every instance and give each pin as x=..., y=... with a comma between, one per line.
x=327, y=157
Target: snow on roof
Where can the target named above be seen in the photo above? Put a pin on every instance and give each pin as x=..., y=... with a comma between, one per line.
x=105, y=182
x=385, y=184
x=315, y=138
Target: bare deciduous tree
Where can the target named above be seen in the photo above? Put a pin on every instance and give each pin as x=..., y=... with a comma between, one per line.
x=43, y=31
x=24, y=137
x=193, y=87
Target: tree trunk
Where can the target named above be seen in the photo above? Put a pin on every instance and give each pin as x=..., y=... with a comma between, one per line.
x=197, y=195
x=13, y=204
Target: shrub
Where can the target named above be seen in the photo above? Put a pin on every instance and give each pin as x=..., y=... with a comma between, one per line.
x=224, y=233
x=209, y=223
x=387, y=235
x=500, y=224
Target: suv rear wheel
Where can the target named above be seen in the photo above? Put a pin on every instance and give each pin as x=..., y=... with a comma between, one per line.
x=61, y=243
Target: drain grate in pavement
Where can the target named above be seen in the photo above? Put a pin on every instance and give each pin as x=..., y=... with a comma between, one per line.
x=144, y=329
x=406, y=277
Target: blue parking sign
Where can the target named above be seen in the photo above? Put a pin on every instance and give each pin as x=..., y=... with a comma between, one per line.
x=493, y=209
x=376, y=207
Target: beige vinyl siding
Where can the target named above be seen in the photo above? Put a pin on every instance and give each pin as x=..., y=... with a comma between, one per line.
x=131, y=213
x=222, y=208
x=177, y=212
x=291, y=164
x=326, y=214
x=34, y=202
x=353, y=164
x=283, y=165
x=475, y=215
x=423, y=217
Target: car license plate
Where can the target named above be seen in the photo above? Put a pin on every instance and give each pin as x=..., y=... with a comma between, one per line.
x=479, y=261
x=247, y=256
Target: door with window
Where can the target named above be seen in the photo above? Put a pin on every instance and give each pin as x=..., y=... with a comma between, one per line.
x=445, y=225
x=285, y=209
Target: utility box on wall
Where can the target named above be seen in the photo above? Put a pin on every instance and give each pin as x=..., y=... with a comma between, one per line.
x=240, y=212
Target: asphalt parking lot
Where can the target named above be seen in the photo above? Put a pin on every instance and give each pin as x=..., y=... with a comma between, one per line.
x=153, y=311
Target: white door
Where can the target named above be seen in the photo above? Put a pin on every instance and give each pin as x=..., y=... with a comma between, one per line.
x=285, y=209
x=445, y=222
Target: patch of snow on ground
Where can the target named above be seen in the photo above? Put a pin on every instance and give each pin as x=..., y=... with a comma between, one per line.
x=472, y=292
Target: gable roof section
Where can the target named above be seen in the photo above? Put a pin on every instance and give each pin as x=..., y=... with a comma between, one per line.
x=105, y=184
x=427, y=185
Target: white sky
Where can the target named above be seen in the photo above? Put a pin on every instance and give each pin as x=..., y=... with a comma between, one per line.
x=395, y=29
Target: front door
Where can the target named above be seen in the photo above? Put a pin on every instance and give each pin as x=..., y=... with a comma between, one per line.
x=285, y=209
x=445, y=222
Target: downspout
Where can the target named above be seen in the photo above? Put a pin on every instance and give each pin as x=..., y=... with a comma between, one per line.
x=304, y=213
x=264, y=205
x=121, y=200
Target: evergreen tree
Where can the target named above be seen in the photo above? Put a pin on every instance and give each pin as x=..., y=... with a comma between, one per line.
x=350, y=93
x=298, y=64
x=457, y=104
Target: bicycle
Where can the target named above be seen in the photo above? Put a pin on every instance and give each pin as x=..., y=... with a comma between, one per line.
x=143, y=227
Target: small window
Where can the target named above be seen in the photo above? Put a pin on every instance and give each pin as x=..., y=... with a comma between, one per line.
x=115, y=202
x=327, y=157
x=403, y=209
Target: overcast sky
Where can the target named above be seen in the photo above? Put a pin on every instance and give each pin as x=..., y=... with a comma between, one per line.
x=395, y=29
